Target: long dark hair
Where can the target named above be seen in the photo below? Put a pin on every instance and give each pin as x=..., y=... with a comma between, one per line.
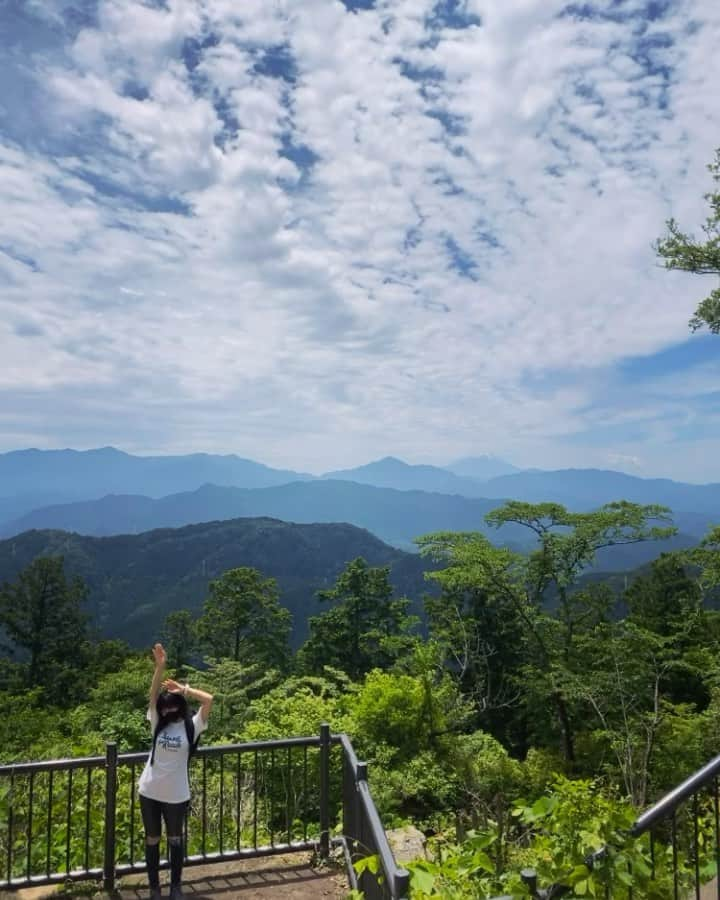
x=168, y=700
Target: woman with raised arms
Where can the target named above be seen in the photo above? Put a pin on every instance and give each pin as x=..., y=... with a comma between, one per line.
x=164, y=785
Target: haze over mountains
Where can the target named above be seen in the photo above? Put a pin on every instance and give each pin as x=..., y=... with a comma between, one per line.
x=394, y=516
x=394, y=473
x=109, y=492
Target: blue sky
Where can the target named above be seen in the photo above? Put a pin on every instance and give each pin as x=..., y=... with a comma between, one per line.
x=318, y=233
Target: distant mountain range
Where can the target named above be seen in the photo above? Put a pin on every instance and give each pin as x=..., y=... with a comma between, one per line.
x=481, y=468
x=394, y=473
x=33, y=478
x=136, y=580
x=150, y=532
x=582, y=489
x=397, y=517
x=106, y=491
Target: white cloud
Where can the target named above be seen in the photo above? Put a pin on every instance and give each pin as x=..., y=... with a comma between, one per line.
x=317, y=318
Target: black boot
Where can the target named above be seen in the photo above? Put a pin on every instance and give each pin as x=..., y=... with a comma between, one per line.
x=177, y=856
x=152, y=858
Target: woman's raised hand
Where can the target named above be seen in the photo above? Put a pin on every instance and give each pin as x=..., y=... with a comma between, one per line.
x=159, y=655
x=172, y=686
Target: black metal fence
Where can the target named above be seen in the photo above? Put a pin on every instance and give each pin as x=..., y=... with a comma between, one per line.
x=80, y=818
x=363, y=834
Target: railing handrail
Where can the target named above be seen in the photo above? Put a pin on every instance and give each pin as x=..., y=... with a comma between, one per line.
x=135, y=756
x=397, y=877
x=667, y=804
x=53, y=765
x=344, y=740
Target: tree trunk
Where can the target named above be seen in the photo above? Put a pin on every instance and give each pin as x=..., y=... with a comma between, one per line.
x=565, y=724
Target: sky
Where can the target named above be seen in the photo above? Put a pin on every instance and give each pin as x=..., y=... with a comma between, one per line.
x=319, y=233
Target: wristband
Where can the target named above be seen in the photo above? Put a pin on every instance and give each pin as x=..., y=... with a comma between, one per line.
x=186, y=688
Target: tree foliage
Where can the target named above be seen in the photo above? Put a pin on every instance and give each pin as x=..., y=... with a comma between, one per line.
x=42, y=616
x=179, y=636
x=544, y=580
x=707, y=556
x=682, y=251
x=242, y=619
x=366, y=626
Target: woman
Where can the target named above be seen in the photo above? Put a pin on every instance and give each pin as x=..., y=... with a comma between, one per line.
x=164, y=786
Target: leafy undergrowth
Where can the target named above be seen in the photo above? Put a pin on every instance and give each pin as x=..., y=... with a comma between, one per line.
x=575, y=835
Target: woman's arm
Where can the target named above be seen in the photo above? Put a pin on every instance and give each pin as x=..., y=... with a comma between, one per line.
x=202, y=697
x=160, y=658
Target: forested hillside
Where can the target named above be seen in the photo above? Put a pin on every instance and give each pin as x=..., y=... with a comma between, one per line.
x=134, y=581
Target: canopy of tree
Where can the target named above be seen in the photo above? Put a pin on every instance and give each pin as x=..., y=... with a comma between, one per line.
x=684, y=252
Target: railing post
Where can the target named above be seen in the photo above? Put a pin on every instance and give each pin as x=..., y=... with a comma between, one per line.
x=110, y=801
x=402, y=885
x=349, y=803
x=324, y=790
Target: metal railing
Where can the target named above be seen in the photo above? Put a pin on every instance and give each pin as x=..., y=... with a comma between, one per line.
x=76, y=819
x=364, y=835
x=682, y=831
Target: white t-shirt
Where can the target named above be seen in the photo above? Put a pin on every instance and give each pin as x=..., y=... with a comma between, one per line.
x=167, y=778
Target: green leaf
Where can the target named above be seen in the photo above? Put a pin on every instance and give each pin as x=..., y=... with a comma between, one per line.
x=367, y=864
x=421, y=880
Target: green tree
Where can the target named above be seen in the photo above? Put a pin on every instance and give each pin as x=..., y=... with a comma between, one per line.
x=707, y=556
x=541, y=588
x=480, y=635
x=115, y=709
x=45, y=627
x=681, y=251
x=242, y=619
x=367, y=627
x=28, y=726
x=233, y=685
x=179, y=638
x=662, y=599
x=299, y=705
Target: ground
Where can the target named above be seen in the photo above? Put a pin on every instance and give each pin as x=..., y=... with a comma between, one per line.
x=284, y=877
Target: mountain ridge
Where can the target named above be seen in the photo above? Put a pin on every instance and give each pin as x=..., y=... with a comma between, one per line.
x=134, y=581
x=593, y=487
x=394, y=473
x=395, y=517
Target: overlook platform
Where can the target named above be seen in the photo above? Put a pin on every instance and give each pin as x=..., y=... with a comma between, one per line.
x=285, y=877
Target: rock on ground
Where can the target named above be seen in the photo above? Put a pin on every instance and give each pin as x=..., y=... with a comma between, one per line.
x=407, y=844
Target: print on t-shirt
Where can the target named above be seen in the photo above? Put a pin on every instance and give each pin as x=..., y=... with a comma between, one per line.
x=167, y=779
x=171, y=742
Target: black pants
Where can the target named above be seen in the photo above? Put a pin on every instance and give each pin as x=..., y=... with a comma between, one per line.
x=153, y=813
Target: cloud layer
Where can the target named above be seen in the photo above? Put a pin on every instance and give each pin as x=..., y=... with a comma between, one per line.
x=315, y=233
